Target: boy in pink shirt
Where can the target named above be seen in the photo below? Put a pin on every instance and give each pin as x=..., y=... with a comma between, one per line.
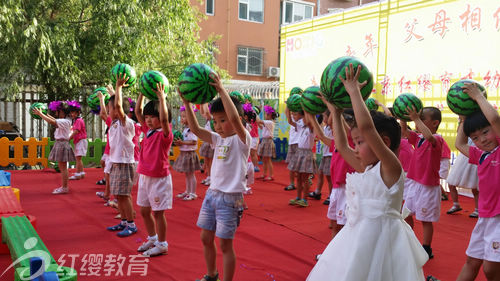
x=483, y=127
x=423, y=197
x=155, y=180
x=79, y=136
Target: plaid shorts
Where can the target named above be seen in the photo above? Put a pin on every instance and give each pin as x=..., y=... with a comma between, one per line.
x=206, y=150
x=267, y=148
x=324, y=165
x=121, y=178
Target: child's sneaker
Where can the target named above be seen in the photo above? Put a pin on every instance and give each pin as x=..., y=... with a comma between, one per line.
x=190, y=196
x=127, y=231
x=146, y=245
x=314, y=195
x=117, y=227
x=60, y=190
x=454, y=209
x=444, y=197
x=182, y=195
x=75, y=177
x=101, y=182
x=155, y=251
x=294, y=201
x=302, y=203
x=290, y=187
x=474, y=214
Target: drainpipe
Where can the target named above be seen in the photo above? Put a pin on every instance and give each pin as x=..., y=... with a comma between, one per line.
x=318, y=7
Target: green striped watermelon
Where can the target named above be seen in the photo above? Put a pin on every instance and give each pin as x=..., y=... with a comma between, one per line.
x=402, y=102
x=370, y=103
x=296, y=91
x=311, y=101
x=194, y=83
x=238, y=95
x=93, y=99
x=40, y=106
x=148, y=83
x=248, y=98
x=333, y=89
x=256, y=109
x=459, y=102
x=121, y=68
x=178, y=135
x=293, y=103
x=212, y=126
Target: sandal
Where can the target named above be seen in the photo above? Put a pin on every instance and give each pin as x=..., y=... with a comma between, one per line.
x=101, y=182
x=100, y=194
x=206, y=277
x=454, y=209
x=268, y=179
x=290, y=187
x=60, y=190
x=474, y=215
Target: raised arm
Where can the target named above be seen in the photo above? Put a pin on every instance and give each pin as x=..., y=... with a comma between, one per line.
x=289, y=118
x=138, y=110
x=421, y=127
x=229, y=108
x=488, y=110
x=318, y=131
x=120, y=82
x=341, y=142
x=162, y=108
x=200, y=132
x=461, y=140
x=47, y=118
x=384, y=108
x=102, y=113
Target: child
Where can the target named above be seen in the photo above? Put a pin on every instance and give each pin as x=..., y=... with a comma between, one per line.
x=105, y=163
x=138, y=130
x=483, y=128
x=223, y=204
x=206, y=149
x=326, y=159
x=155, y=180
x=293, y=132
x=304, y=164
x=267, y=148
x=376, y=244
x=463, y=174
x=423, y=197
x=187, y=162
x=79, y=137
x=121, y=156
x=61, y=151
x=251, y=118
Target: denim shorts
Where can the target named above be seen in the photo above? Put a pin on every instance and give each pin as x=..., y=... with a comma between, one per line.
x=221, y=212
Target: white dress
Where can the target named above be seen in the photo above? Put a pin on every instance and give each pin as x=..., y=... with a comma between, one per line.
x=376, y=244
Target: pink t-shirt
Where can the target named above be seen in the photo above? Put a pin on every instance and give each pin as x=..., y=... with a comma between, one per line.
x=446, y=153
x=405, y=154
x=155, y=149
x=108, y=123
x=426, y=160
x=339, y=168
x=82, y=132
x=135, y=140
x=488, y=172
x=254, y=132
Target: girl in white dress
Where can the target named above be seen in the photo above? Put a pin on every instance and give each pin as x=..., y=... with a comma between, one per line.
x=376, y=244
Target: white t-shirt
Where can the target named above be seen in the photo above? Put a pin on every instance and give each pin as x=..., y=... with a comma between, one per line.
x=306, y=138
x=189, y=136
x=294, y=132
x=329, y=133
x=268, y=129
x=230, y=162
x=63, y=130
x=121, y=146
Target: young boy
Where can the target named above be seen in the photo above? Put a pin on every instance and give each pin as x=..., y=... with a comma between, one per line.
x=424, y=192
x=121, y=155
x=155, y=180
x=223, y=204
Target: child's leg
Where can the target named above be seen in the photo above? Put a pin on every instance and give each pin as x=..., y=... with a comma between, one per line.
x=300, y=186
x=228, y=257
x=209, y=251
x=106, y=188
x=319, y=185
x=161, y=225
x=475, y=192
x=292, y=178
x=265, y=163
x=190, y=183
x=63, y=167
x=254, y=157
x=79, y=164
x=208, y=167
x=335, y=228
x=409, y=220
x=125, y=207
x=491, y=270
x=470, y=269
x=330, y=184
x=305, y=184
x=148, y=220
x=270, y=166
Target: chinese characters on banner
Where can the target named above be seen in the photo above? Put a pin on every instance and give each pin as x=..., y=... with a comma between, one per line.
x=105, y=265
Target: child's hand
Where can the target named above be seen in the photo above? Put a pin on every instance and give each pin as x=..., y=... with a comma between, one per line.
x=36, y=111
x=178, y=142
x=100, y=96
x=121, y=81
x=160, y=91
x=377, y=102
x=110, y=89
x=412, y=113
x=472, y=90
x=217, y=83
x=350, y=82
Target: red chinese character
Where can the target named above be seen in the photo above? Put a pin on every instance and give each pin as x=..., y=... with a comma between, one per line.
x=410, y=29
x=350, y=52
x=496, y=79
x=386, y=86
x=445, y=81
x=439, y=24
x=468, y=75
x=424, y=82
x=496, y=15
x=370, y=45
x=487, y=79
x=404, y=84
x=474, y=18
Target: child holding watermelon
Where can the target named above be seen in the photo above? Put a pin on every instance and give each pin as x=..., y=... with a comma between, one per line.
x=223, y=204
x=483, y=127
x=267, y=148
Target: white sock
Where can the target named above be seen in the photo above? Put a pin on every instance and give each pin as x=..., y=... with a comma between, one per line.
x=153, y=238
x=161, y=243
x=456, y=204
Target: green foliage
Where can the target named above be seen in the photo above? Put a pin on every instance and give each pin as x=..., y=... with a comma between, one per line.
x=66, y=45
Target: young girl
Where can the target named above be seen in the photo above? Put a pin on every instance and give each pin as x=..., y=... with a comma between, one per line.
x=61, y=151
x=295, y=125
x=304, y=164
x=206, y=149
x=250, y=117
x=483, y=128
x=187, y=162
x=79, y=137
x=267, y=148
x=376, y=243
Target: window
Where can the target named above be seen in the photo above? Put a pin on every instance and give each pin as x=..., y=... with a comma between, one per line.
x=296, y=11
x=209, y=7
x=250, y=61
x=251, y=10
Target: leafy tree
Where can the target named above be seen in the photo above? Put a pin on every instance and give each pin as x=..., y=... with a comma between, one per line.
x=67, y=46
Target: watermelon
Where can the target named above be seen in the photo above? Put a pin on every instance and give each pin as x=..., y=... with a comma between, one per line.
x=311, y=102
x=459, y=102
x=212, y=126
x=293, y=103
x=194, y=83
x=248, y=98
x=148, y=83
x=238, y=95
x=402, y=102
x=296, y=91
x=177, y=135
x=256, y=109
x=93, y=99
x=121, y=68
x=370, y=103
x=40, y=106
x=333, y=89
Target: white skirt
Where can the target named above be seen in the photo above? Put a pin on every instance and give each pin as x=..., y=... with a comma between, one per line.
x=462, y=173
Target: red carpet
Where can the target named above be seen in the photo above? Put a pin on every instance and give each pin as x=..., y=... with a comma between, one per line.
x=274, y=242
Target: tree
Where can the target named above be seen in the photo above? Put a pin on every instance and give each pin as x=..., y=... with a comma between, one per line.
x=67, y=45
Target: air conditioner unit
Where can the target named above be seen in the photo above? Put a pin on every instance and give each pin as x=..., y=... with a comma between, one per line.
x=273, y=72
